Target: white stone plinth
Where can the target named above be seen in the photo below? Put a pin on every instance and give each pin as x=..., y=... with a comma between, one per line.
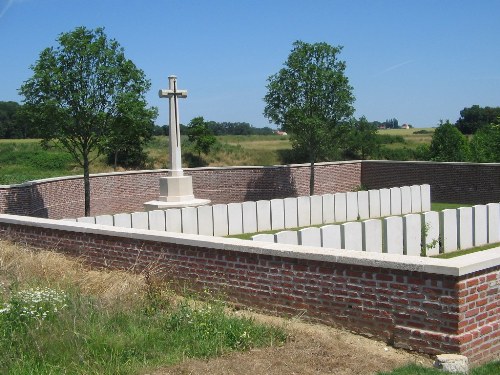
x=175, y=192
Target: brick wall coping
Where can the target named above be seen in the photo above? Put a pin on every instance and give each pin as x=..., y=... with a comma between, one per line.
x=458, y=266
x=152, y=171
x=428, y=162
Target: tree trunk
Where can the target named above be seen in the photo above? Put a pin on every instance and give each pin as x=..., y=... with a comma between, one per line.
x=116, y=160
x=311, y=176
x=86, y=182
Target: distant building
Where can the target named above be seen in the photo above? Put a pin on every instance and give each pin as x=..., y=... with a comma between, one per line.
x=279, y=132
x=405, y=126
x=382, y=126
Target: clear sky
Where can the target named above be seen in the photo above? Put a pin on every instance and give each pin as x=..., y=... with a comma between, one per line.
x=417, y=61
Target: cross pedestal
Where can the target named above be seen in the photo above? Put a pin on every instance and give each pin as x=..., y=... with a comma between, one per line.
x=176, y=190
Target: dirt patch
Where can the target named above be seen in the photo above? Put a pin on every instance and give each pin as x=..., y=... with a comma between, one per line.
x=311, y=349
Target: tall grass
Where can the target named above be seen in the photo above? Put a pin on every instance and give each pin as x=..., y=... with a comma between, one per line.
x=58, y=317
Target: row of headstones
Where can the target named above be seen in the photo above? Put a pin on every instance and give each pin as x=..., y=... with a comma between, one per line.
x=275, y=214
x=428, y=233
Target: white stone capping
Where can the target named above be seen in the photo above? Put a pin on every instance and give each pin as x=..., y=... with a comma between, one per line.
x=458, y=266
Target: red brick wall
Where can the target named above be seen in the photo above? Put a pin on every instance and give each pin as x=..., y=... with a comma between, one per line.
x=127, y=192
x=450, y=182
x=119, y=192
x=428, y=312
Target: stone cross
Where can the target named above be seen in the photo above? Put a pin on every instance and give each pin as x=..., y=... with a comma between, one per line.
x=174, y=131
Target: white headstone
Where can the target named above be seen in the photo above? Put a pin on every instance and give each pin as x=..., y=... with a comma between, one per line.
x=493, y=222
x=316, y=210
x=263, y=215
x=291, y=215
x=448, y=230
x=363, y=205
x=189, y=217
x=221, y=226
x=372, y=235
x=412, y=234
x=104, y=220
x=416, y=199
x=328, y=208
x=480, y=214
x=277, y=214
x=430, y=232
x=304, y=211
x=331, y=236
x=464, y=228
x=352, y=236
x=425, y=191
x=157, y=220
x=173, y=220
x=395, y=201
x=205, y=220
x=405, y=200
x=263, y=237
x=352, y=206
x=385, y=202
x=287, y=237
x=86, y=219
x=310, y=237
x=374, y=198
x=122, y=220
x=140, y=220
x=340, y=207
x=249, y=217
x=393, y=235
x=235, y=218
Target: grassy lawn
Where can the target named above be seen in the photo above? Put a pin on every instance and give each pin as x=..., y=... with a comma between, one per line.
x=492, y=368
x=57, y=317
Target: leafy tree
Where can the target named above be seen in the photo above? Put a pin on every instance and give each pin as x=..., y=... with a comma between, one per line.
x=11, y=123
x=311, y=99
x=448, y=144
x=473, y=118
x=392, y=123
x=485, y=145
x=363, y=138
x=78, y=94
x=199, y=134
x=132, y=129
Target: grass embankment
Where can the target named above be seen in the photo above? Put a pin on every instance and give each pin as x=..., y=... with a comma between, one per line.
x=58, y=317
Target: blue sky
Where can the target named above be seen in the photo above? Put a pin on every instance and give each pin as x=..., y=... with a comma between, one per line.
x=418, y=61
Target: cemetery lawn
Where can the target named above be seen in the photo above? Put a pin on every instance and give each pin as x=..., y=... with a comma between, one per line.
x=109, y=322
x=458, y=253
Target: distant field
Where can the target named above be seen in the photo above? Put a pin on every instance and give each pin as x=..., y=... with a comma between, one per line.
x=24, y=159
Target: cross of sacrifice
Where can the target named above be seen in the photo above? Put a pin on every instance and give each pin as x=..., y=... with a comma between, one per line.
x=174, y=131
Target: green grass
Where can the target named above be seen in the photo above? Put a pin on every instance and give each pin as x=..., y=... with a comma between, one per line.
x=458, y=253
x=492, y=368
x=85, y=335
x=439, y=206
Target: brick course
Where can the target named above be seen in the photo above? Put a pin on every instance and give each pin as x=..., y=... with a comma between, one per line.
x=428, y=312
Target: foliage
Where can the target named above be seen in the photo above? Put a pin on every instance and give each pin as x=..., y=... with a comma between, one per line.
x=485, y=145
x=391, y=123
x=79, y=92
x=363, y=139
x=311, y=99
x=474, y=118
x=69, y=332
x=11, y=124
x=130, y=132
x=200, y=135
x=448, y=144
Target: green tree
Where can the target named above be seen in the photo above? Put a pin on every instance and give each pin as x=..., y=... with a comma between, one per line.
x=448, y=144
x=130, y=131
x=474, y=118
x=77, y=94
x=200, y=135
x=311, y=99
x=363, y=139
x=485, y=145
